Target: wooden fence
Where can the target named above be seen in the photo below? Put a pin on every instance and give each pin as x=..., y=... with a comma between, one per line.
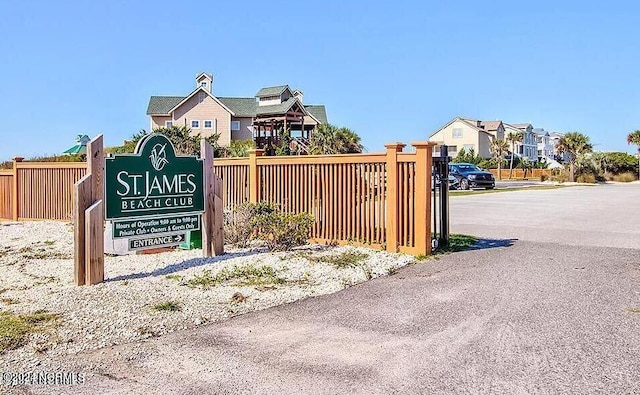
x=6, y=194
x=520, y=174
x=34, y=191
x=380, y=200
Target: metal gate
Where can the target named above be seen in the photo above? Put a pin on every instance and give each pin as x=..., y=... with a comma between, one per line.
x=440, y=198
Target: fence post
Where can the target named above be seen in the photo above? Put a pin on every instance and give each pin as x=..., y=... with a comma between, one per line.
x=14, y=192
x=422, y=197
x=254, y=182
x=212, y=219
x=392, y=195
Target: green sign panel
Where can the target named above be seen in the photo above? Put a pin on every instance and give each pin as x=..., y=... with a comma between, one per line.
x=153, y=181
x=150, y=226
x=156, y=242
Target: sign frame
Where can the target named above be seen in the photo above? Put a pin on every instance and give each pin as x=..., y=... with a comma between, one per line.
x=161, y=154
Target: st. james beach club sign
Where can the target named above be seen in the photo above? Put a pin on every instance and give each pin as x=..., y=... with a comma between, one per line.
x=153, y=196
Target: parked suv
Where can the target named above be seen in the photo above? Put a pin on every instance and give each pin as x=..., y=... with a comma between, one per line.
x=471, y=176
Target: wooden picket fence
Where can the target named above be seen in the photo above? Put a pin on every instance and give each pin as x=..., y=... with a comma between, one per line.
x=39, y=191
x=380, y=200
x=520, y=174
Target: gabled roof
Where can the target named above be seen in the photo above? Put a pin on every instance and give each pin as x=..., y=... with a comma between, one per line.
x=203, y=74
x=469, y=122
x=491, y=125
x=540, y=132
x=279, y=108
x=317, y=112
x=241, y=106
x=162, y=104
x=200, y=89
x=511, y=127
x=272, y=91
x=521, y=125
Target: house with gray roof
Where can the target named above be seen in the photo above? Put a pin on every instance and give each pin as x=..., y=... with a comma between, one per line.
x=470, y=134
x=262, y=118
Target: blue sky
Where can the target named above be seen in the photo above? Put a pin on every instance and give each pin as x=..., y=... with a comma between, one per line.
x=391, y=71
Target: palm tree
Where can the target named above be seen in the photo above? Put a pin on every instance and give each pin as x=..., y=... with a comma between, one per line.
x=330, y=140
x=321, y=141
x=348, y=141
x=634, y=138
x=573, y=144
x=513, y=138
x=498, y=149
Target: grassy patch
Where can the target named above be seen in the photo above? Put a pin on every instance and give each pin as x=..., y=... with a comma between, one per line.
x=174, y=277
x=41, y=253
x=16, y=329
x=485, y=191
x=344, y=260
x=239, y=275
x=49, y=242
x=169, y=305
x=633, y=310
x=457, y=243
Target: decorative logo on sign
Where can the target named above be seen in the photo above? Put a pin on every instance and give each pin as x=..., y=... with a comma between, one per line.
x=158, y=156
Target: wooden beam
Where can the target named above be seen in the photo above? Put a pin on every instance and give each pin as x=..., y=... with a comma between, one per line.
x=81, y=201
x=95, y=167
x=15, y=193
x=212, y=219
x=392, y=195
x=218, y=218
x=94, y=243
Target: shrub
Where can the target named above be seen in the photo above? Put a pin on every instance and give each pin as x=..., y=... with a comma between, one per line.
x=240, y=148
x=586, y=178
x=544, y=177
x=239, y=224
x=624, y=177
x=283, y=231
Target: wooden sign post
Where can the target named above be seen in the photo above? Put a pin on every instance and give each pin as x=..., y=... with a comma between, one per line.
x=212, y=218
x=164, y=192
x=88, y=218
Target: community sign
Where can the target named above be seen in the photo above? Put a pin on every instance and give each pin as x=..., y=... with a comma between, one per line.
x=153, y=192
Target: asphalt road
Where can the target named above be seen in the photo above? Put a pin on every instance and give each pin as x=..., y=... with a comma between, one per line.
x=547, y=305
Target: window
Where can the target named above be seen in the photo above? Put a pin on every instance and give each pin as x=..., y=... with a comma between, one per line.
x=203, y=84
x=168, y=124
x=457, y=133
x=195, y=124
x=208, y=124
x=235, y=125
x=469, y=147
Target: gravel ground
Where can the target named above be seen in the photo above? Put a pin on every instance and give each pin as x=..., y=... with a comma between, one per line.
x=36, y=273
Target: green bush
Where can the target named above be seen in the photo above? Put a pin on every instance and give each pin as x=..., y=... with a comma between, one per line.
x=283, y=231
x=263, y=221
x=239, y=224
x=240, y=148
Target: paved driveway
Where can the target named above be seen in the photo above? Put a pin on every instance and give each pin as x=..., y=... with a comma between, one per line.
x=550, y=312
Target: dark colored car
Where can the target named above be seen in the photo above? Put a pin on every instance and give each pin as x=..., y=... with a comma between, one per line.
x=471, y=176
